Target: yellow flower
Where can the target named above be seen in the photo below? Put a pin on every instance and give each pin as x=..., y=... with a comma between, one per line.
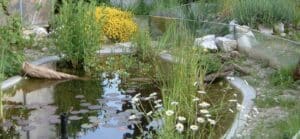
x=117, y=25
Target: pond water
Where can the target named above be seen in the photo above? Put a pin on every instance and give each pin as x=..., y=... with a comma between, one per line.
x=96, y=108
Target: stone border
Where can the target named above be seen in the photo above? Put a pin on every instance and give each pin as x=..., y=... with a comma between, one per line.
x=249, y=94
x=10, y=82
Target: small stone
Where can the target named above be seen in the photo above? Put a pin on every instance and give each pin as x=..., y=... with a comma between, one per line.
x=79, y=96
x=44, y=49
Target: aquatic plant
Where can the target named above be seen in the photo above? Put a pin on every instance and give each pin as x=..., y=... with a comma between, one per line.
x=118, y=25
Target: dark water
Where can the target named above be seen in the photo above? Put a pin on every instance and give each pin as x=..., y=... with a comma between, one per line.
x=97, y=108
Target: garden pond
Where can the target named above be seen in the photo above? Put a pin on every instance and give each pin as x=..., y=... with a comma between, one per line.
x=96, y=108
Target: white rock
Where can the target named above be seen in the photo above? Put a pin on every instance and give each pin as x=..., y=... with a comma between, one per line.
x=207, y=42
x=232, y=23
x=282, y=34
x=229, y=36
x=245, y=43
x=40, y=31
x=242, y=29
x=279, y=28
x=225, y=44
x=265, y=30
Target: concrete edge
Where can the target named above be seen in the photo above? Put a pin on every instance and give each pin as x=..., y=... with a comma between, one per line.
x=249, y=94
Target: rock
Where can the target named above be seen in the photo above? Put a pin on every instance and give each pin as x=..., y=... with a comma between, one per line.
x=282, y=34
x=244, y=43
x=225, y=44
x=232, y=23
x=125, y=3
x=33, y=12
x=207, y=42
x=279, y=28
x=37, y=32
x=265, y=30
x=229, y=36
x=235, y=54
x=40, y=31
x=44, y=49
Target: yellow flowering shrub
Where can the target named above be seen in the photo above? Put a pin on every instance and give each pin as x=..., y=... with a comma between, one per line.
x=117, y=25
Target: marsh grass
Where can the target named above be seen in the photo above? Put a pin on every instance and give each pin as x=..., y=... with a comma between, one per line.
x=78, y=33
x=180, y=82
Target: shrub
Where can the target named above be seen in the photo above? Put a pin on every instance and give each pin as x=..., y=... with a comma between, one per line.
x=77, y=32
x=11, y=47
x=118, y=25
x=264, y=11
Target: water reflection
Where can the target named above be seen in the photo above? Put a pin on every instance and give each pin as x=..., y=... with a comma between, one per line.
x=39, y=100
x=98, y=109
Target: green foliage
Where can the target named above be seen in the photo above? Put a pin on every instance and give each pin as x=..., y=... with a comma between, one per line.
x=77, y=33
x=264, y=11
x=282, y=77
x=211, y=62
x=11, y=47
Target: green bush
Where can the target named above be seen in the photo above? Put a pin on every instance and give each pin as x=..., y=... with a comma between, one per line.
x=11, y=47
x=265, y=12
x=77, y=32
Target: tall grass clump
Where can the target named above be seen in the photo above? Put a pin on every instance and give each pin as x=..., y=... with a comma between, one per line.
x=188, y=111
x=282, y=78
x=264, y=11
x=77, y=32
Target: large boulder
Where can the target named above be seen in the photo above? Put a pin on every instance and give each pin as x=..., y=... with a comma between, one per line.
x=207, y=42
x=245, y=43
x=225, y=44
x=33, y=12
x=244, y=36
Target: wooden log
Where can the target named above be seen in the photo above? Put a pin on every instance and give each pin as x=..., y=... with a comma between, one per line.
x=45, y=73
x=225, y=71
